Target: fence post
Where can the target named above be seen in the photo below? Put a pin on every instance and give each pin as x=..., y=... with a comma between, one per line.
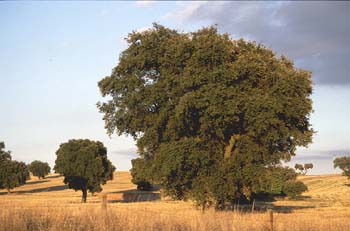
x=104, y=201
x=253, y=205
x=271, y=220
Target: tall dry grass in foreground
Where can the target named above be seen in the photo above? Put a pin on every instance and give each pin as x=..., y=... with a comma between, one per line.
x=48, y=205
x=92, y=218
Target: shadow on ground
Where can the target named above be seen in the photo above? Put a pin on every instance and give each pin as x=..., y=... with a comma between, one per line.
x=262, y=207
x=36, y=182
x=52, y=177
x=46, y=189
x=132, y=195
x=290, y=208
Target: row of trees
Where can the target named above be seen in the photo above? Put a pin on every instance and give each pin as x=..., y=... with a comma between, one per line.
x=303, y=168
x=15, y=173
x=83, y=163
x=12, y=173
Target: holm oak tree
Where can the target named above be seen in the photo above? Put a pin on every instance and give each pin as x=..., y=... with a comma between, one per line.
x=84, y=165
x=344, y=164
x=39, y=168
x=210, y=114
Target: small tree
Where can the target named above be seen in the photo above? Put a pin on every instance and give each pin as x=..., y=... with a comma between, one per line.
x=84, y=165
x=299, y=167
x=39, y=168
x=303, y=168
x=307, y=167
x=293, y=188
x=344, y=164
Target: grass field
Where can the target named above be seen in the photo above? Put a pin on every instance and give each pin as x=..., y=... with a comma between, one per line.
x=47, y=204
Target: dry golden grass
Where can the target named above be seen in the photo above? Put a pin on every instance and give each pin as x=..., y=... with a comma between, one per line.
x=48, y=205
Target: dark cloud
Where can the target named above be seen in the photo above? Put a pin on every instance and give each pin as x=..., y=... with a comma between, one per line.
x=314, y=34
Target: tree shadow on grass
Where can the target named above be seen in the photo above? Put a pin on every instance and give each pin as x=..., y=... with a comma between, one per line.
x=36, y=182
x=290, y=208
x=263, y=208
x=347, y=184
x=52, y=177
x=46, y=189
x=132, y=195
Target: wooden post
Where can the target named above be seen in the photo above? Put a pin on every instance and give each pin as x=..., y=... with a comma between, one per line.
x=104, y=201
x=271, y=220
x=253, y=205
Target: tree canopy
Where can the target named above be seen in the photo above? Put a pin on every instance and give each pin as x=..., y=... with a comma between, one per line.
x=84, y=165
x=12, y=173
x=39, y=168
x=303, y=168
x=344, y=164
x=210, y=114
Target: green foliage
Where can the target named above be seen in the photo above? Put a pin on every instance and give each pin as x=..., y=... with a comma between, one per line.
x=303, y=168
x=140, y=173
x=308, y=166
x=299, y=167
x=12, y=173
x=84, y=165
x=210, y=114
x=39, y=168
x=275, y=178
x=294, y=188
x=344, y=164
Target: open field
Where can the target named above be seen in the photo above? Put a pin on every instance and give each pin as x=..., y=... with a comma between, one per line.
x=47, y=204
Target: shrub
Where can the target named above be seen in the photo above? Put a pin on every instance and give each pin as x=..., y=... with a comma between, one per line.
x=294, y=188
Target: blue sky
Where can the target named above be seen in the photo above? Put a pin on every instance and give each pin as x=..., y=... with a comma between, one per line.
x=52, y=54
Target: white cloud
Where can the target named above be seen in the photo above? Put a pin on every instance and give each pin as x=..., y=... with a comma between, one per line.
x=145, y=4
x=184, y=13
x=142, y=29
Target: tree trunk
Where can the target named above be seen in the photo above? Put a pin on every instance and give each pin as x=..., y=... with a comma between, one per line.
x=229, y=146
x=8, y=190
x=84, y=195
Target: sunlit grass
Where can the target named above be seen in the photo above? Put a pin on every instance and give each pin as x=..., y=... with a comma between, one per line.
x=48, y=205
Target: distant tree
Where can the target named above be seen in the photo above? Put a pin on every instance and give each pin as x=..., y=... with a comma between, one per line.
x=84, y=165
x=344, y=164
x=39, y=168
x=303, y=168
x=210, y=114
x=12, y=173
x=307, y=166
x=299, y=167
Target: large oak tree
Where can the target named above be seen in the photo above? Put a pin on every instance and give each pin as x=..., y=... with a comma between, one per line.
x=210, y=114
